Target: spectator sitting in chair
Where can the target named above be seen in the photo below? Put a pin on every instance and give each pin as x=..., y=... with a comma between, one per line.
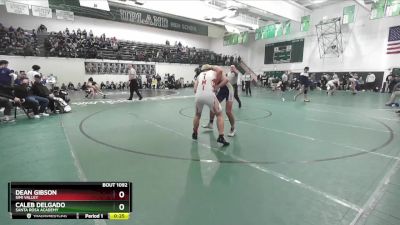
x=7, y=100
x=26, y=100
x=24, y=91
x=395, y=92
x=6, y=97
x=41, y=91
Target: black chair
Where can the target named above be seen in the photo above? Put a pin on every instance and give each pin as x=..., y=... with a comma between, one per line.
x=25, y=110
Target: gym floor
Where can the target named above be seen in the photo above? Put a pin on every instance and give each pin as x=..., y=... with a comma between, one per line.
x=332, y=161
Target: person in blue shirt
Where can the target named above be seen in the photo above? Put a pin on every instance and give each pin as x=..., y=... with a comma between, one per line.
x=5, y=78
x=6, y=99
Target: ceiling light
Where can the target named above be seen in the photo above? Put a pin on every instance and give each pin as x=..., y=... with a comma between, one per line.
x=318, y=1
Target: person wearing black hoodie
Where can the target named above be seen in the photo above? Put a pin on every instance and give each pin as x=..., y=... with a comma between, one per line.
x=19, y=94
x=38, y=89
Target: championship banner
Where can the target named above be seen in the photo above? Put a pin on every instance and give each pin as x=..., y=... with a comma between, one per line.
x=17, y=8
x=287, y=28
x=245, y=37
x=278, y=30
x=64, y=15
x=42, y=12
x=234, y=39
x=393, y=8
x=231, y=39
x=378, y=9
x=348, y=14
x=269, y=32
x=258, y=34
x=273, y=30
x=305, y=23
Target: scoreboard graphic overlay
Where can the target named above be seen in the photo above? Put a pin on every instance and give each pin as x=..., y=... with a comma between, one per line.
x=70, y=200
x=284, y=52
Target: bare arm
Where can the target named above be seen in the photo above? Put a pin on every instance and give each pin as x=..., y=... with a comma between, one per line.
x=195, y=85
x=220, y=76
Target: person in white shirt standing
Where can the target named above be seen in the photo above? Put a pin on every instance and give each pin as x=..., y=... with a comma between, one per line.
x=247, y=82
x=233, y=79
x=283, y=84
x=370, y=82
x=207, y=83
x=304, y=84
x=31, y=74
x=133, y=82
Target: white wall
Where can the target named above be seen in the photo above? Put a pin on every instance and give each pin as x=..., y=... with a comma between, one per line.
x=123, y=31
x=364, y=45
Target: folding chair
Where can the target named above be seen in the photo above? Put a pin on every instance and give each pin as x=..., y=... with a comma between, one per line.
x=26, y=111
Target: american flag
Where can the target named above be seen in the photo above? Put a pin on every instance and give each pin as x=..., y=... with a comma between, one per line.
x=394, y=40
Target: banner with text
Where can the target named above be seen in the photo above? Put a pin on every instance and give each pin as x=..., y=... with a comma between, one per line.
x=305, y=23
x=348, y=14
x=17, y=8
x=64, y=15
x=273, y=30
x=41, y=11
x=131, y=15
x=393, y=8
x=234, y=39
x=378, y=9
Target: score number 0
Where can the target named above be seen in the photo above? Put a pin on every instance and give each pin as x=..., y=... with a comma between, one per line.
x=121, y=194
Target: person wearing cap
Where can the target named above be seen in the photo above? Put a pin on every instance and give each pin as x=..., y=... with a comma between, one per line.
x=40, y=90
x=207, y=83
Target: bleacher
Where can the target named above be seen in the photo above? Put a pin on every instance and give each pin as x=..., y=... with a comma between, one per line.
x=141, y=51
x=136, y=51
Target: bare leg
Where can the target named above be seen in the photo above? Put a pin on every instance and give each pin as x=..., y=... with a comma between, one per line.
x=196, y=123
x=209, y=125
x=301, y=91
x=212, y=115
x=353, y=87
x=393, y=97
x=229, y=113
x=305, y=94
x=220, y=123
